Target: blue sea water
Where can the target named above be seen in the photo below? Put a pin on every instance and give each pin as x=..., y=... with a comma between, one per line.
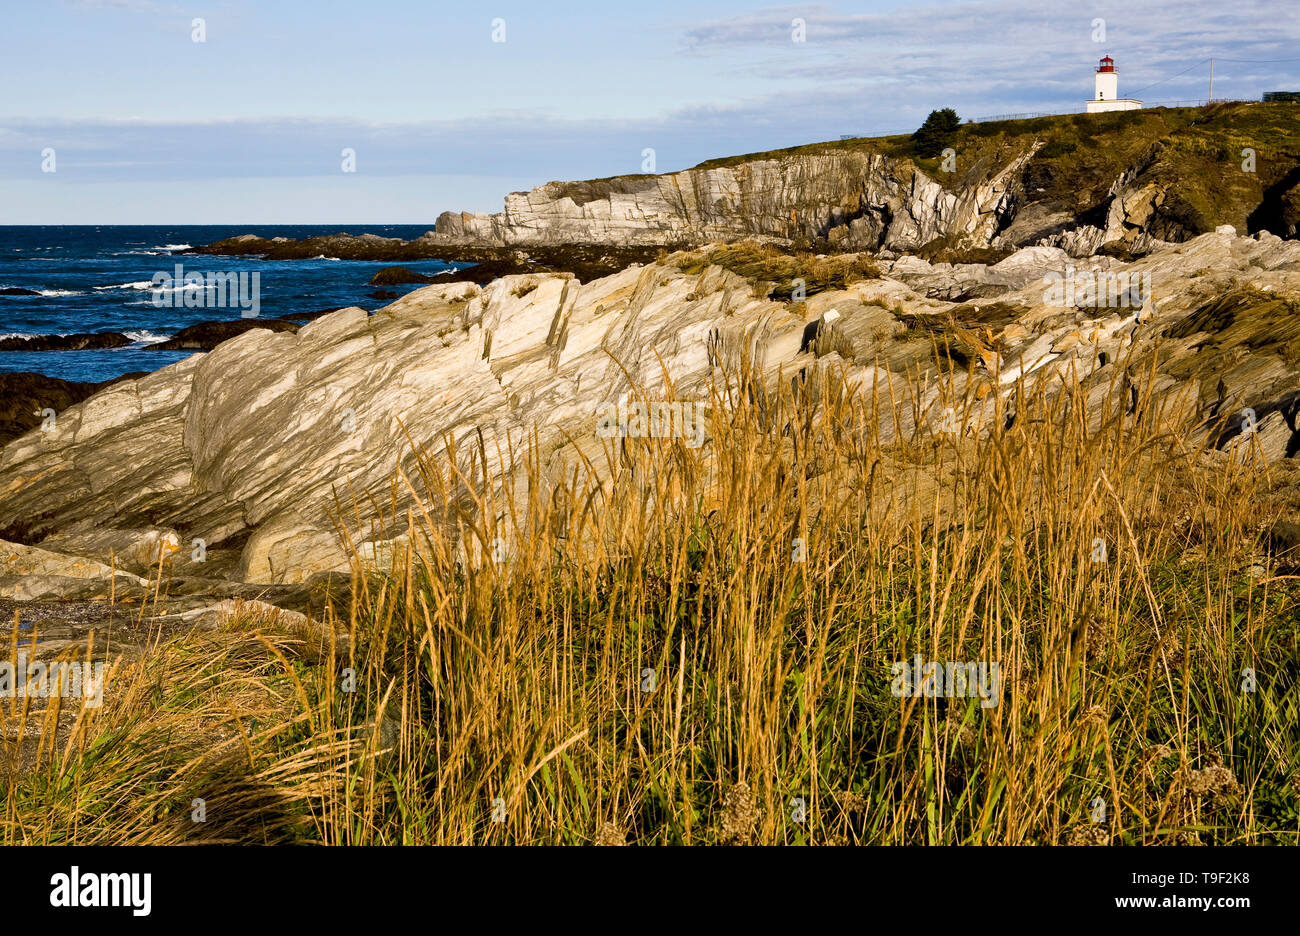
x=94, y=279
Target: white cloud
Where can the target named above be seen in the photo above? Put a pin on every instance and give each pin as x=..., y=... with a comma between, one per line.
x=1003, y=49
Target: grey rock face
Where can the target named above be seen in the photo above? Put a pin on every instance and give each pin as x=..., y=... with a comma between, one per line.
x=856, y=200
x=29, y=573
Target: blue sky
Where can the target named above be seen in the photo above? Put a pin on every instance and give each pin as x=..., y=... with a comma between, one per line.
x=148, y=126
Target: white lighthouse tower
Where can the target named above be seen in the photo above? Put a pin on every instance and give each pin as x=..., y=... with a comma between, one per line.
x=1106, y=94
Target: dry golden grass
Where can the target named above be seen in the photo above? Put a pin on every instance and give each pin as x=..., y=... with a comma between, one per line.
x=694, y=646
x=776, y=271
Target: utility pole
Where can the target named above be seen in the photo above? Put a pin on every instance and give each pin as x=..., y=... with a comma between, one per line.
x=1211, y=100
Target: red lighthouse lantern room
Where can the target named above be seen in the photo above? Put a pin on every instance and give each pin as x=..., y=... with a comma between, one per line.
x=1107, y=64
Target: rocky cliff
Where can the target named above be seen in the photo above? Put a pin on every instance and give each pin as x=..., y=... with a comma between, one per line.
x=1077, y=182
x=853, y=199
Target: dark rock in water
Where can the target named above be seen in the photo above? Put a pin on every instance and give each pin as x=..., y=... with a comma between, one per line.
x=78, y=342
x=207, y=335
x=16, y=291
x=585, y=261
x=23, y=398
x=397, y=275
x=486, y=272
x=334, y=246
x=480, y=273
x=384, y=294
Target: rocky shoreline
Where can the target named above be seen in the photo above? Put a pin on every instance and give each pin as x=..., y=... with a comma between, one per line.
x=487, y=262
x=25, y=395
x=82, y=341
x=201, y=450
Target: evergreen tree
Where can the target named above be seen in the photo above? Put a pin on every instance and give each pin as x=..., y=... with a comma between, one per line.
x=938, y=131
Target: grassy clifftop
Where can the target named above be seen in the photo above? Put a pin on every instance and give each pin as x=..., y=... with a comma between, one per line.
x=1232, y=163
x=1196, y=153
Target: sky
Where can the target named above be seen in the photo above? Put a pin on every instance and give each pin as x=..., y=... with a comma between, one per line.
x=449, y=106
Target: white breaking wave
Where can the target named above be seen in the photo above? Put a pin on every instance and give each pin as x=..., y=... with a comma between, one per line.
x=145, y=336
x=149, y=285
x=141, y=284
x=174, y=247
x=60, y=292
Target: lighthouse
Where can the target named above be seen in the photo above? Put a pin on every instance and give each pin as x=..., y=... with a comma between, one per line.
x=1105, y=95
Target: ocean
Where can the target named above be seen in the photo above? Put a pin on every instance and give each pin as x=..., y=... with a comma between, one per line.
x=95, y=279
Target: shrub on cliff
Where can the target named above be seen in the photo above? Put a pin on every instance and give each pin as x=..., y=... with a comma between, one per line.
x=938, y=131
